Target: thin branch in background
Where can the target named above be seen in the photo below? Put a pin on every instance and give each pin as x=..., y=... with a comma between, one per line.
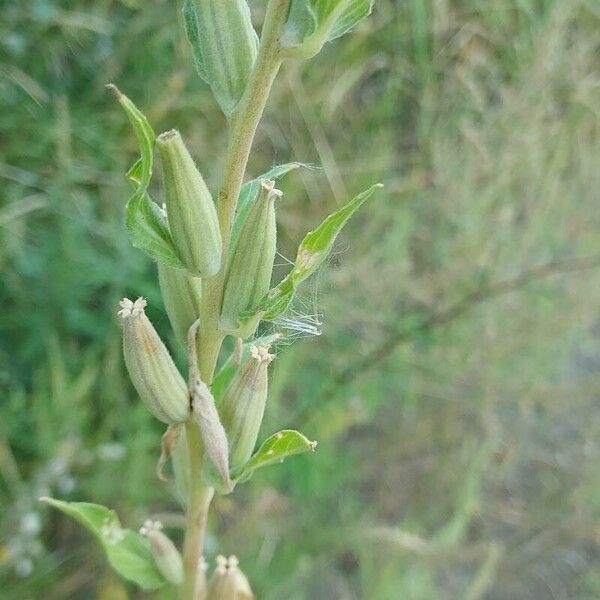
x=438, y=318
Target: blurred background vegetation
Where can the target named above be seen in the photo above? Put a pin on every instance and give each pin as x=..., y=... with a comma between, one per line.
x=454, y=393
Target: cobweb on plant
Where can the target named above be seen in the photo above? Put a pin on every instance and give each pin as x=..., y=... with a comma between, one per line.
x=302, y=319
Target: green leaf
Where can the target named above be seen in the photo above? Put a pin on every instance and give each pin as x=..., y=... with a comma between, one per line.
x=141, y=171
x=127, y=551
x=312, y=252
x=145, y=221
x=355, y=11
x=275, y=449
x=149, y=230
x=224, y=45
x=249, y=194
x=311, y=23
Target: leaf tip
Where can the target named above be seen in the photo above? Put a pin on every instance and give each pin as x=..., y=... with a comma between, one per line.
x=114, y=90
x=50, y=502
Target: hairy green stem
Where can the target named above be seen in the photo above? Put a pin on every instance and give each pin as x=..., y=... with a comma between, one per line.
x=200, y=496
x=243, y=129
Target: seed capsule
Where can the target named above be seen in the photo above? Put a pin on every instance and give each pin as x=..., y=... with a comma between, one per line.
x=150, y=366
x=182, y=295
x=251, y=264
x=224, y=46
x=228, y=582
x=166, y=556
x=243, y=405
x=206, y=416
x=211, y=429
x=190, y=209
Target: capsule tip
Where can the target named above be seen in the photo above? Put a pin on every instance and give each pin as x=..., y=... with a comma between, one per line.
x=131, y=309
x=167, y=136
x=149, y=526
x=268, y=185
x=261, y=354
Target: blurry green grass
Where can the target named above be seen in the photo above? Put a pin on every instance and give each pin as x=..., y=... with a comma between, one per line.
x=461, y=465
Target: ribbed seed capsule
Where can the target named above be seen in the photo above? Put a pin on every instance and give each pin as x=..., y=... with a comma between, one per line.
x=243, y=405
x=151, y=368
x=182, y=295
x=190, y=209
x=224, y=45
x=166, y=556
x=251, y=263
x=228, y=582
x=204, y=412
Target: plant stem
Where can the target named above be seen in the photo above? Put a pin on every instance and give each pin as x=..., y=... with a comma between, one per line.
x=248, y=113
x=243, y=129
x=194, y=585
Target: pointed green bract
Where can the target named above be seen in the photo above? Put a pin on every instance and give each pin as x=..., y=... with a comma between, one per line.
x=275, y=449
x=127, y=551
x=145, y=221
x=311, y=23
x=224, y=45
x=312, y=252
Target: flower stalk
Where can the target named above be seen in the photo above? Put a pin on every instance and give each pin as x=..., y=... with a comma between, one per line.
x=213, y=288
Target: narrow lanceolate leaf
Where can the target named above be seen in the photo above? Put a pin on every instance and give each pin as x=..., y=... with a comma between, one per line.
x=145, y=221
x=275, y=449
x=224, y=45
x=312, y=252
x=249, y=194
x=128, y=553
x=141, y=171
x=311, y=23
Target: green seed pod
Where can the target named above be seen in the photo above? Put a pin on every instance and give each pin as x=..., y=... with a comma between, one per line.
x=224, y=45
x=150, y=366
x=251, y=264
x=181, y=294
x=166, y=556
x=228, y=582
x=211, y=429
x=206, y=416
x=191, y=211
x=243, y=405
